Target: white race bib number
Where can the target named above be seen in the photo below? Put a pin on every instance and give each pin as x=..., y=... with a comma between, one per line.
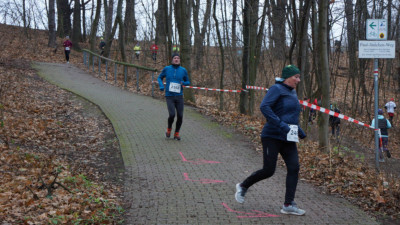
x=293, y=134
x=175, y=87
x=67, y=48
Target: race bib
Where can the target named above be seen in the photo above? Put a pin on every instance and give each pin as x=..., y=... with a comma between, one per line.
x=293, y=134
x=67, y=48
x=175, y=87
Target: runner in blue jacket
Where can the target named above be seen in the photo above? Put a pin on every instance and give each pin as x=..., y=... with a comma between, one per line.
x=175, y=76
x=281, y=108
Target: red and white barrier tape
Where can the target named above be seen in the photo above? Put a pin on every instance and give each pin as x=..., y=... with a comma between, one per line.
x=208, y=89
x=321, y=109
x=256, y=88
x=312, y=106
x=335, y=114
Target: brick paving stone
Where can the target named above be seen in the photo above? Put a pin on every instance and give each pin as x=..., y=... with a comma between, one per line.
x=155, y=183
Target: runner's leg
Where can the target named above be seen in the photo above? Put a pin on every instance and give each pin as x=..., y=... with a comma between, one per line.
x=291, y=157
x=271, y=149
x=171, y=110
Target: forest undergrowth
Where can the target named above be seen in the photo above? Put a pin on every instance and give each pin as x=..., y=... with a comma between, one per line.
x=35, y=125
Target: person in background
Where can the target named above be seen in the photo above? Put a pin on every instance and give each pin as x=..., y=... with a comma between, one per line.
x=137, y=50
x=175, y=49
x=175, y=76
x=383, y=125
x=154, y=49
x=390, y=107
x=280, y=135
x=334, y=122
x=67, y=48
x=102, y=45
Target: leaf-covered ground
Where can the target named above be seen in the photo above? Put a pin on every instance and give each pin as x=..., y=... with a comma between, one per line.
x=43, y=184
x=59, y=155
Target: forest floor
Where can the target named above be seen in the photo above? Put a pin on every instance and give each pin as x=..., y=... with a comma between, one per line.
x=34, y=114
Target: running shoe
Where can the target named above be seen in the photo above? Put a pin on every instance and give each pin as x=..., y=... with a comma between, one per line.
x=176, y=136
x=240, y=192
x=168, y=133
x=292, y=209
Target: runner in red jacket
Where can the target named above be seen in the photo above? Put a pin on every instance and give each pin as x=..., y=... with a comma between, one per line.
x=67, y=48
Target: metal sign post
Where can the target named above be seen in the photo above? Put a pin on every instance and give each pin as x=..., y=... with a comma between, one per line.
x=376, y=47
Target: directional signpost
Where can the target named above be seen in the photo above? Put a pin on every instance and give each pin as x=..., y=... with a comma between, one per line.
x=376, y=47
x=376, y=29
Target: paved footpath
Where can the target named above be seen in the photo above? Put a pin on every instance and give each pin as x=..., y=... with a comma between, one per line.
x=192, y=181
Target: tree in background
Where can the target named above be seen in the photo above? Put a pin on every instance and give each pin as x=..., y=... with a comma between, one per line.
x=77, y=31
x=63, y=18
x=95, y=25
x=199, y=34
x=52, y=24
x=130, y=22
x=252, y=40
x=324, y=81
x=183, y=21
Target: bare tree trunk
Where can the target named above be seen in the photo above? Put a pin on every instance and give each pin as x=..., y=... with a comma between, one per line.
x=83, y=5
x=278, y=26
x=221, y=48
x=324, y=81
x=24, y=17
x=108, y=23
x=121, y=30
x=244, y=96
x=130, y=21
x=234, y=18
x=351, y=46
x=95, y=25
x=64, y=18
x=183, y=20
x=161, y=23
x=76, y=31
x=52, y=24
x=252, y=40
x=200, y=35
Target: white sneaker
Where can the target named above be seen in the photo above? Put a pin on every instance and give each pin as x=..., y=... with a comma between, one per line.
x=67, y=62
x=292, y=209
x=240, y=192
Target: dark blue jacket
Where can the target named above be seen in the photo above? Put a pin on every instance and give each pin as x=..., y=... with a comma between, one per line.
x=176, y=74
x=281, y=107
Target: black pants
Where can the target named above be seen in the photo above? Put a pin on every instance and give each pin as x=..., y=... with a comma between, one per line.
x=271, y=149
x=175, y=103
x=335, y=130
x=67, y=55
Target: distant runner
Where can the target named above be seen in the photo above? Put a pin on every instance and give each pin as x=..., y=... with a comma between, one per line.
x=67, y=48
x=390, y=107
x=175, y=76
x=383, y=125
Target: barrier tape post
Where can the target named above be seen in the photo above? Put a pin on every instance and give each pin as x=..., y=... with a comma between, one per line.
x=376, y=113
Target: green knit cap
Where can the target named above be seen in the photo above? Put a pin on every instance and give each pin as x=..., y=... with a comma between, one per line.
x=289, y=71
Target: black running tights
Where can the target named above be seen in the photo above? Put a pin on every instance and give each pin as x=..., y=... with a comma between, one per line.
x=288, y=151
x=175, y=103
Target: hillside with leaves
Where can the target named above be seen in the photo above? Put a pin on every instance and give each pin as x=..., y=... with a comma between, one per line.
x=42, y=184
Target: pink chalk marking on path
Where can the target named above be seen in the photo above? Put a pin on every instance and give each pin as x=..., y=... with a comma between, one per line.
x=197, y=162
x=249, y=215
x=203, y=181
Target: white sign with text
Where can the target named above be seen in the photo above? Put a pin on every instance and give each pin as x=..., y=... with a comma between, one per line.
x=376, y=49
